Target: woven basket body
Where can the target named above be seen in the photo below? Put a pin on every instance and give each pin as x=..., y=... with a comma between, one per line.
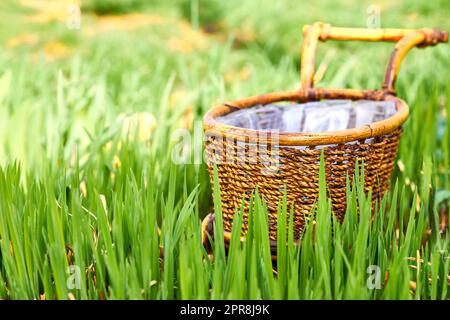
x=245, y=163
x=296, y=173
x=288, y=163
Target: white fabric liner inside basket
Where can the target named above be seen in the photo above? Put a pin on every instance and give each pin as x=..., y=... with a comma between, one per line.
x=317, y=116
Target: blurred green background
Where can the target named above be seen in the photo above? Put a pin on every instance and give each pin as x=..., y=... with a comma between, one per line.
x=183, y=56
x=65, y=91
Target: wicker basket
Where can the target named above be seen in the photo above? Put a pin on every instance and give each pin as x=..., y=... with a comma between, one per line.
x=297, y=155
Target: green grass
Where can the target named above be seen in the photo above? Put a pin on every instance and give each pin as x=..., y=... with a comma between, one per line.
x=76, y=191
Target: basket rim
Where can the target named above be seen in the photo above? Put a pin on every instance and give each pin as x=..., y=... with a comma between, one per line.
x=213, y=127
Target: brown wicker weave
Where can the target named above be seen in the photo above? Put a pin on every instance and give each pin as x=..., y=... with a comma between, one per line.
x=291, y=160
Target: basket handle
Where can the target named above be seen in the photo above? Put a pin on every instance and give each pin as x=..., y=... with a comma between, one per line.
x=406, y=40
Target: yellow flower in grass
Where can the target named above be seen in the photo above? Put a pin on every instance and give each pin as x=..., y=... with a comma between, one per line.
x=401, y=165
x=124, y=22
x=116, y=163
x=22, y=39
x=55, y=50
x=83, y=188
x=139, y=125
x=187, y=119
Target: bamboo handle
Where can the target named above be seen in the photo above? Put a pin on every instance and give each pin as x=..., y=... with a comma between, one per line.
x=406, y=39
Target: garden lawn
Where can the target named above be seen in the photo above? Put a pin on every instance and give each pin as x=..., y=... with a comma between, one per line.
x=93, y=206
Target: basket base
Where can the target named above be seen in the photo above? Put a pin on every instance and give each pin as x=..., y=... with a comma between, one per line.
x=208, y=237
